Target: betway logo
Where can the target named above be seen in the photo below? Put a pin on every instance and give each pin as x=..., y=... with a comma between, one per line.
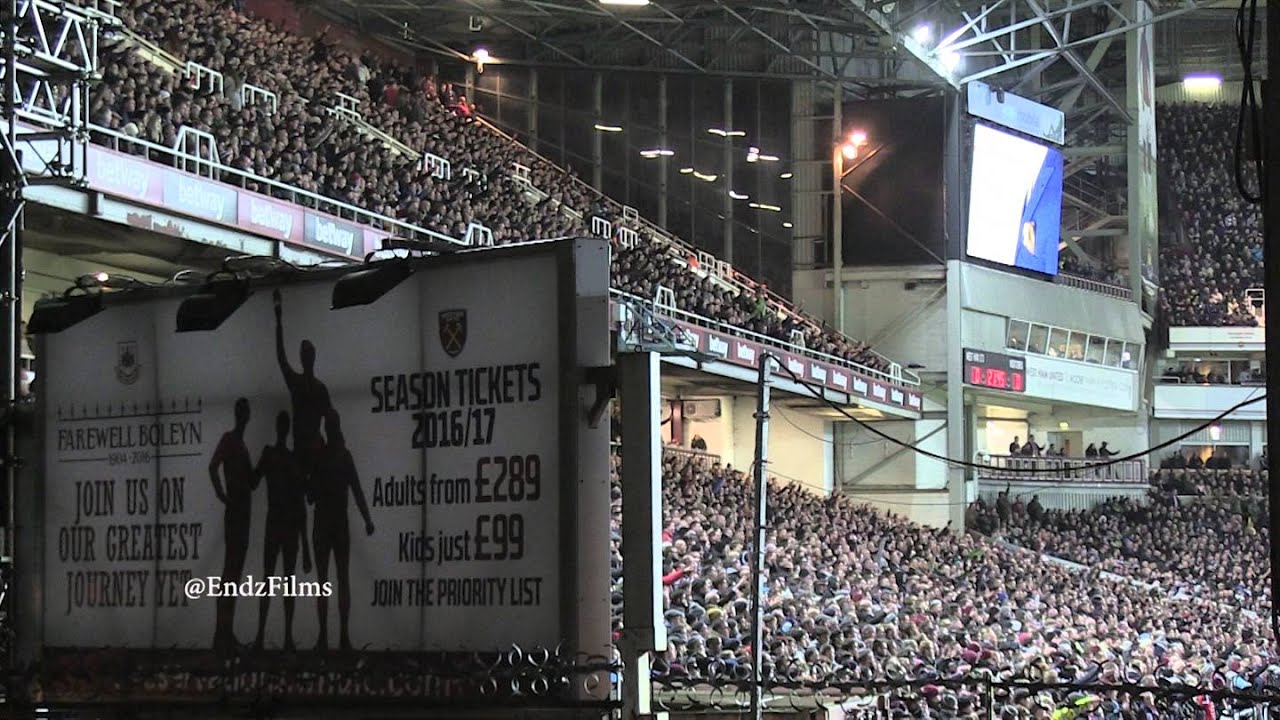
x=795, y=366
x=745, y=353
x=878, y=391
x=123, y=176
x=717, y=346
x=193, y=196
x=328, y=233
x=860, y=386
x=268, y=215
x=914, y=401
x=897, y=396
x=840, y=379
x=817, y=372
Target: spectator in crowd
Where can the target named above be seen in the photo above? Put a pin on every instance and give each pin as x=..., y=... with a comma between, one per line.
x=853, y=594
x=1215, y=253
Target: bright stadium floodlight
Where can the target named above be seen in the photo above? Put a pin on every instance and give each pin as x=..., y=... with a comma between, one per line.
x=212, y=305
x=480, y=56
x=102, y=277
x=787, y=175
x=950, y=60
x=787, y=225
x=53, y=315
x=1201, y=82
x=922, y=34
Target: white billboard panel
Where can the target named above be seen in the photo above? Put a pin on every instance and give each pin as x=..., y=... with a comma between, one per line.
x=1081, y=383
x=408, y=453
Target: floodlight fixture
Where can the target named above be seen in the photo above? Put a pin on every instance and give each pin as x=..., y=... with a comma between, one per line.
x=366, y=285
x=55, y=314
x=208, y=308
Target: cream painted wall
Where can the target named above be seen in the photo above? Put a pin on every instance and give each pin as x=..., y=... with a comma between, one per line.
x=801, y=451
x=718, y=433
x=860, y=450
x=926, y=507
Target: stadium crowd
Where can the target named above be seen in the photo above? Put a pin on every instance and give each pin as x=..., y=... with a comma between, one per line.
x=1205, y=271
x=299, y=143
x=856, y=595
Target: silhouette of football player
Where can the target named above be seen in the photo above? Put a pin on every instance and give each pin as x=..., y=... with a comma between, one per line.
x=334, y=476
x=286, y=522
x=309, y=396
x=234, y=486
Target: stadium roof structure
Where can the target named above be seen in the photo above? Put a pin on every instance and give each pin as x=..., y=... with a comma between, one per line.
x=1055, y=50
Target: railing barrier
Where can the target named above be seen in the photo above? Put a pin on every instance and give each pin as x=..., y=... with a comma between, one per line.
x=437, y=166
x=601, y=227
x=197, y=152
x=665, y=298
x=478, y=235
x=253, y=96
x=204, y=78
x=628, y=238
x=1058, y=469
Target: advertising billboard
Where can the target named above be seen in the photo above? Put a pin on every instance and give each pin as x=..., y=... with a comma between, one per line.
x=1015, y=201
x=401, y=477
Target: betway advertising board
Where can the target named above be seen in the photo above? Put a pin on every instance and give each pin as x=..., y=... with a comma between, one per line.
x=136, y=179
x=402, y=477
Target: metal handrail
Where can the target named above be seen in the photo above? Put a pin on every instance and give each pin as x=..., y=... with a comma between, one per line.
x=1098, y=286
x=1014, y=467
x=292, y=194
x=699, y=458
x=735, y=331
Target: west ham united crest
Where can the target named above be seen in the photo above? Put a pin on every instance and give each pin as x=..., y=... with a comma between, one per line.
x=453, y=331
x=127, y=367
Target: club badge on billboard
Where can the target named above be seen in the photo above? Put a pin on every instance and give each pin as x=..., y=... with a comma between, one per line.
x=127, y=367
x=453, y=331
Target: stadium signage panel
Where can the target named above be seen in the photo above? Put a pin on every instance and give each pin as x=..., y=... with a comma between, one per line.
x=744, y=351
x=163, y=187
x=125, y=176
x=818, y=372
x=1081, y=383
x=429, y=480
x=1018, y=113
x=996, y=371
x=264, y=216
x=717, y=346
x=200, y=199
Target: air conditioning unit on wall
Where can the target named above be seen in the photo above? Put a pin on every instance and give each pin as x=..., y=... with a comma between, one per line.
x=701, y=409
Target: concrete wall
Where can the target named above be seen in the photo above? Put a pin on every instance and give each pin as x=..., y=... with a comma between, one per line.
x=865, y=460
x=800, y=446
x=901, y=312
x=926, y=507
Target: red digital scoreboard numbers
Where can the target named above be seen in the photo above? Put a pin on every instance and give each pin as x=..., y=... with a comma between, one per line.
x=995, y=370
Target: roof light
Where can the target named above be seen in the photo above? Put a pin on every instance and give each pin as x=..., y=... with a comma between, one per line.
x=625, y=3
x=685, y=170
x=922, y=34
x=786, y=175
x=1202, y=82
x=657, y=152
x=950, y=60
x=727, y=133
x=705, y=177
x=607, y=128
x=787, y=225
x=738, y=195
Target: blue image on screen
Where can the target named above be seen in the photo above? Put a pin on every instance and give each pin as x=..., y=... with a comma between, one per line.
x=1040, y=229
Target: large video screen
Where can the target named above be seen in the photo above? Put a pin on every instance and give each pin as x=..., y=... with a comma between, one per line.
x=1015, y=201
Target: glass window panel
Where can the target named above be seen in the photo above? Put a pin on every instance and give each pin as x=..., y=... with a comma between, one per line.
x=1058, y=342
x=1075, y=346
x=1114, y=349
x=1097, y=346
x=1038, y=339
x=1017, y=339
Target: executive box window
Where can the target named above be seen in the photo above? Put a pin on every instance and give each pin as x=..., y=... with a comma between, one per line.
x=1070, y=344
